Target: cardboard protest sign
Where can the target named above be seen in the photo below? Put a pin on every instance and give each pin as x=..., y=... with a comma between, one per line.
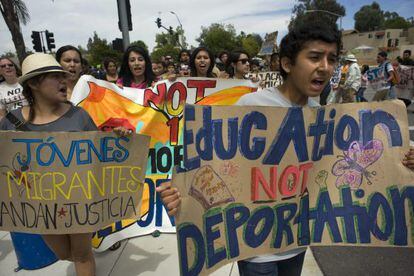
x=69, y=182
x=262, y=180
x=156, y=112
x=269, y=45
x=268, y=79
x=405, y=88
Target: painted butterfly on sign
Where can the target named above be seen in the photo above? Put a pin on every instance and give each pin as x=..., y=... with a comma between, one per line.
x=352, y=167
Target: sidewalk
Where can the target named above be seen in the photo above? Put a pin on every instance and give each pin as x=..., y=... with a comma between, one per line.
x=137, y=256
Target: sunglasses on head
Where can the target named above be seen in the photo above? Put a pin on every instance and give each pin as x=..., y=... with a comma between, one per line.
x=244, y=60
x=7, y=65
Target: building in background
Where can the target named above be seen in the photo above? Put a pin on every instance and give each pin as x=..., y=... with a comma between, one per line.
x=365, y=46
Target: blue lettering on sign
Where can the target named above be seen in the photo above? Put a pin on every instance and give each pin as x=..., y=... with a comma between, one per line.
x=347, y=222
x=208, y=139
x=46, y=152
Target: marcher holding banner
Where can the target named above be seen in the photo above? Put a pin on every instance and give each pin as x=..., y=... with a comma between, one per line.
x=202, y=63
x=387, y=72
x=45, y=87
x=308, y=56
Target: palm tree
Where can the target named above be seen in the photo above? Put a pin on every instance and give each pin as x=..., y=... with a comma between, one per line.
x=15, y=12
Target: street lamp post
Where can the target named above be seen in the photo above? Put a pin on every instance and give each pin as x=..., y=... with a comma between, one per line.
x=329, y=12
x=181, y=26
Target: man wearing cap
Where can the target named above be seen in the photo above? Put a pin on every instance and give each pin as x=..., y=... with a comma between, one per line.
x=352, y=80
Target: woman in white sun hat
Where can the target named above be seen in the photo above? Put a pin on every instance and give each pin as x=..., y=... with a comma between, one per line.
x=45, y=87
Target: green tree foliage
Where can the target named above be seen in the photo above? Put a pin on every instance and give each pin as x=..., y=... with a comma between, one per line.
x=15, y=12
x=167, y=50
x=140, y=43
x=219, y=37
x=99, y=49
x=251, y=44
x=372, y=17
x=331, y=8
x=369, y=18
x=168, y=44
x=394, y=21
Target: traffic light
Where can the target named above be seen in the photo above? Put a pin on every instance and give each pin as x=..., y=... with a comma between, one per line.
x=171, y=31
x=50, y=40
x=128, y=8
x=158, y=21
x=128, y=14
x=37, y=42
x=117, y=44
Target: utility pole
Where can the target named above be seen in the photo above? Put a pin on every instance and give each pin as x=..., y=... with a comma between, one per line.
x=123, y=21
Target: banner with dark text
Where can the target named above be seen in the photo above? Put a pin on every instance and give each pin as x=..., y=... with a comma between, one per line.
x=73, y=182
x=262, y=180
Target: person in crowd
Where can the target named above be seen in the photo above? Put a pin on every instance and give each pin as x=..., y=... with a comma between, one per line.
x=70, y=58
x=184, y=70
x=158, y=68
x=364, y=82
x=406, y=60
x=254, y=66
x=184, y=57
x=325, y=93
x=45, y=85
x=168, y=59
x=274, y=62
x=202, y=63
x=387, y=92
x=136, y=69
x=171, y=71
x=352, y=80
x=308, y=56
x=334, y=85
x=111, y=70
x=86, y=68
x=222, y=60
x=11, y=96
x=239, y=62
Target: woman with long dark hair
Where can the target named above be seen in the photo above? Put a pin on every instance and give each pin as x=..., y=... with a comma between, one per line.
x=202, y=63
x=70, y=58
x=111, y=70
x=136, y=69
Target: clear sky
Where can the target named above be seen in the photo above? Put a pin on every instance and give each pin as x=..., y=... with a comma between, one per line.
x=74, y=21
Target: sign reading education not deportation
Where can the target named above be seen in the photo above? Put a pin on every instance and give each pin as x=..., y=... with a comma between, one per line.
x=69, y=182
x=263, y=180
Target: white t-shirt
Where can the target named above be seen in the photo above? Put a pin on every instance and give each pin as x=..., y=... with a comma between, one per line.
x=11, y=96
x=272, y=97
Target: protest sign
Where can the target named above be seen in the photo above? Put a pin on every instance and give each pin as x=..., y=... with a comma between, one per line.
x=403, y=89
x=268, y=79
x=70, y=182
x=262, y=180
x=156, y=112
x=269, y=45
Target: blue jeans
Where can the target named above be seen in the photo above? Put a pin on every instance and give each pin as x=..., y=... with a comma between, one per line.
x=288, y=267
x=391, y=94
x=360, y=95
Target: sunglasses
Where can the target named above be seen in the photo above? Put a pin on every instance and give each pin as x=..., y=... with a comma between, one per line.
x=6, y=65
x=244, y=60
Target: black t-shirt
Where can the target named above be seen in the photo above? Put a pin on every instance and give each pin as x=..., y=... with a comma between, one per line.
x=75, y=119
